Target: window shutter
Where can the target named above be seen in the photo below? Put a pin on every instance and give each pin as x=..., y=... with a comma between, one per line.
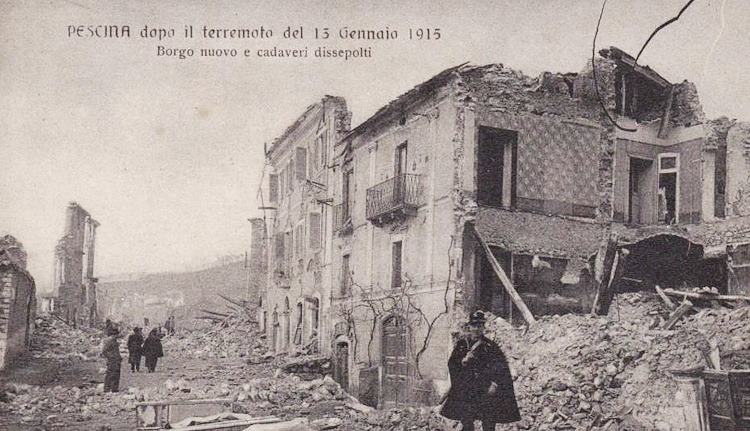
x=301, y=163
x=273, y=188
x=396, y=265
x=279, y=252
x=290, y=174
x=314, y=231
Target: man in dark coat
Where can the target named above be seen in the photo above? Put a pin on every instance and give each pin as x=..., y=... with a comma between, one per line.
x=152, y=350
x=111, y=352
x=135, y=349
x=481, y=383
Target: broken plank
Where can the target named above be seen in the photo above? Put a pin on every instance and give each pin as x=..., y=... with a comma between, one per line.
x=215, y=313
x=678, y=313
x=665, y=298
x=517, y=300
x=705, y=296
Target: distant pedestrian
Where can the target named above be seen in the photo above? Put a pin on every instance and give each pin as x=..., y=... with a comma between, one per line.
x=111, y=352
x=107, y=326
x=481, y=383
x=152, y=350
x=135, y=349
x=171, y=325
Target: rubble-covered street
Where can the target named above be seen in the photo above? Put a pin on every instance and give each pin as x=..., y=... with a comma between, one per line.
x=571, y=372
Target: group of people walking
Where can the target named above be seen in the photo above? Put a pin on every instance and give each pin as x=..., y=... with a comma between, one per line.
x=150, y=348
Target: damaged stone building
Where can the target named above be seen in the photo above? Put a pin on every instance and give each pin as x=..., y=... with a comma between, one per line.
x=74, y=280
x=299, y=220
x=17, y=301
x=483, y=188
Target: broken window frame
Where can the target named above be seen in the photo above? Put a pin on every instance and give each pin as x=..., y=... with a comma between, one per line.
x=674, y=170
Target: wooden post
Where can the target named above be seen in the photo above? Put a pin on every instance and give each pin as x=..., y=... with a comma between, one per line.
x=603, y=274
x=517, y=300
x=679, y=312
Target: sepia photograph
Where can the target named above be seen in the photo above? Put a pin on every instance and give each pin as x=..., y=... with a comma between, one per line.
x=439, y=215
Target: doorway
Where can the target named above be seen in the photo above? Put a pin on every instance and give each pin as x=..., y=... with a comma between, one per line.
x=496, y=167
x=341, y=366
x=641, y=193
x=395, y=387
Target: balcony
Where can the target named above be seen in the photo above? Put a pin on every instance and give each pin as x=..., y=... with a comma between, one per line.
x=342, y=218
x=394, y=198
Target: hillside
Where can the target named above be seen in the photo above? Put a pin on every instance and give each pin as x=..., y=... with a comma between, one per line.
x=156, y=296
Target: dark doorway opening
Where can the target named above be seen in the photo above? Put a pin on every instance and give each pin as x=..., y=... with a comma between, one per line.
x=668, y=198
x=640, y=197
x=491, y=295
x=497, y=167
x=670, y=261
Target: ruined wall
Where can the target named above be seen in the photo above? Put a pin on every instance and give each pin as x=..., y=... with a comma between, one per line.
x=568, y=100
x=738, y=170
x=17, y=308
x=74, y=266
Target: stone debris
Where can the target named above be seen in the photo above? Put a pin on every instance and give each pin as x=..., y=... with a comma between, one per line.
x=608, y=371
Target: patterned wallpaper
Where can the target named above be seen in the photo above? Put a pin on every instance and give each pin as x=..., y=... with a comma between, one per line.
x=556, y=161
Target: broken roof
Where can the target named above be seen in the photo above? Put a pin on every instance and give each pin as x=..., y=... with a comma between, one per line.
x=398, y=103
x=301, y=119
x=708, y=234
x=529, y=233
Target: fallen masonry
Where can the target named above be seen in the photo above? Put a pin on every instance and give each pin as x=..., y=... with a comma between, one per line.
x=613, y=372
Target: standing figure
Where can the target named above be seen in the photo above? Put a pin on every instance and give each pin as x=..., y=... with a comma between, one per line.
x=171, y=325
x=135, y=349
x=152, y=350
x=111, y=353
x=481, y=383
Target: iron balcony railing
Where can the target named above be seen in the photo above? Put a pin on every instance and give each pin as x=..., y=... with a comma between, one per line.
x=402, y=192
x=341, y=216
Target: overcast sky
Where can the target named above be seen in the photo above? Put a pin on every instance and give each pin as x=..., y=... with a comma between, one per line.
x=167, y=153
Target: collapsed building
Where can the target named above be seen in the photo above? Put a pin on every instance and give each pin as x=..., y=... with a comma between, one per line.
x=17, y=301
x=74, y=281
x=483, y=188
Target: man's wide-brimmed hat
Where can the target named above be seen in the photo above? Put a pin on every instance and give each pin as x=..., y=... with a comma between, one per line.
x=477, y=318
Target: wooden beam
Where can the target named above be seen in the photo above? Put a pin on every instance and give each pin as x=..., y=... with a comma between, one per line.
x=604, y=272
x=664, y=124
x=705, y=296
x=665, y=298
x=517, y=300
x=678, y=313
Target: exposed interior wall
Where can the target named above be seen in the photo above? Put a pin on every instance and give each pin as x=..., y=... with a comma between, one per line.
x=556, y=163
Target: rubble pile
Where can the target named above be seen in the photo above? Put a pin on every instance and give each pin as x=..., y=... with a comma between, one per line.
x=54, y=339
x=609, y=371
x=235, y=336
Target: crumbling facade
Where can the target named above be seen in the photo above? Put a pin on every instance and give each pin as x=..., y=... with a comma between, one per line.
x=299, y=220
x=483, y=188
x=74, y=279
x=17, y=301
